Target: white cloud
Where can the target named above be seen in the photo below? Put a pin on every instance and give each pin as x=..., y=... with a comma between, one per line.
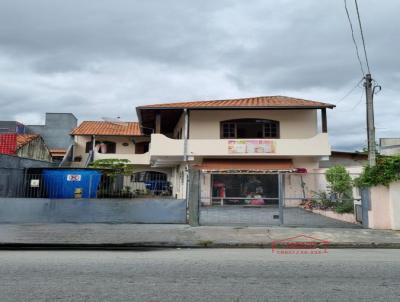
x=96, y=58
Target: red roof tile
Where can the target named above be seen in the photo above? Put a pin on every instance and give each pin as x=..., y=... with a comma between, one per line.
x=107, y=128
x=254, y=102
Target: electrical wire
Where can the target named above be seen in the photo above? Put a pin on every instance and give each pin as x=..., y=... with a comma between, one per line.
x=358, y=103
x=354, y=39
x=349, y=92
x=362, y=36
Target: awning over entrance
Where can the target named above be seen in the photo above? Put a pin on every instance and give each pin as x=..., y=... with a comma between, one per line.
x=243, y=165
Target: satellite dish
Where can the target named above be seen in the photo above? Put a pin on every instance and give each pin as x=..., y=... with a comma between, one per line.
x=115, y=121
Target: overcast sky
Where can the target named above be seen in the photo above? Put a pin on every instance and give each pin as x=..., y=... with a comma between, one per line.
x=104, y=57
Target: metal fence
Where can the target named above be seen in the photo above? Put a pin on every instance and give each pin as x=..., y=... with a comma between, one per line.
x=297, y=199
x=24, y=185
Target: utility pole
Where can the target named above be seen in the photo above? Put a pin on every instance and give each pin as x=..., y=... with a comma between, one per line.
x=370, y=119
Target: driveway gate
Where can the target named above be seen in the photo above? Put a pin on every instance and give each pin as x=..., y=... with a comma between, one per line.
x=272, y=199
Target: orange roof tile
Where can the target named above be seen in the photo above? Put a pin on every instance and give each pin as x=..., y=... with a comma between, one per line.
x=23, y=139
x=57, y=152
x=254, y=102
x=107, y=128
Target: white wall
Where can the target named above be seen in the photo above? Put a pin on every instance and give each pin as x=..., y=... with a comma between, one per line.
x=80, y=144
x=205, y=124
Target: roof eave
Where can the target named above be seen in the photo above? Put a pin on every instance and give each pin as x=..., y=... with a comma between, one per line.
x=328, y=106
x=100, y=134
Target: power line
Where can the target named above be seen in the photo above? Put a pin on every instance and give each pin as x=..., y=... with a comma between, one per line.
x=358, y=103
x=354, y=39
x=350, y=91
x=362, y=35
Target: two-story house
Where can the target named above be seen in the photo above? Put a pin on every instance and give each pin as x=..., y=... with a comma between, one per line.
x=235, y=142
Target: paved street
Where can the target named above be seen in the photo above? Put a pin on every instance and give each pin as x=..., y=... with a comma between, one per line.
x=199, y=275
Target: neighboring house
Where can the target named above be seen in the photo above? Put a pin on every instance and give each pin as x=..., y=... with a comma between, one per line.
x=224, y=138
x=389, y=146
x=56, y=132
x=30, y=146
x=12, y=127
x=123, y=140
x=353, y=161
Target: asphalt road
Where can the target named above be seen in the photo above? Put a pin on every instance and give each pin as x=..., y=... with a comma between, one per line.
x=199, y=275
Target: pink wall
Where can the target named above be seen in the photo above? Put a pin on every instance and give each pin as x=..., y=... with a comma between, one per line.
x=379, y=215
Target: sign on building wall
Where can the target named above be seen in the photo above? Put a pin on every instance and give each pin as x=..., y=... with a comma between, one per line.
x=251, y=146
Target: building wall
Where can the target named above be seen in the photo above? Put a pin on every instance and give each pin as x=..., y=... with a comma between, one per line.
x=80, y=144
x=379, y=215
x=12, y=172
x=57, y=129
x=11, y=127
x=346, y=161
x=137, y=210
x=178, y=180
x=389, y=146
x=35, y=149
x=384, y=211
x=205, y=124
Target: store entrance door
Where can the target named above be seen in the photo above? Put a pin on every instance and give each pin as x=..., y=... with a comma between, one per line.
x=239, y=199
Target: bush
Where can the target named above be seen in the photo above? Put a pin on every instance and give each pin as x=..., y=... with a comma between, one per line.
x=340, y=182
x=322, y=200
x=344, y=207
x=386, y=171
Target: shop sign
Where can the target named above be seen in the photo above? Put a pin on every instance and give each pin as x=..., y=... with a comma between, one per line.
x=251, y=146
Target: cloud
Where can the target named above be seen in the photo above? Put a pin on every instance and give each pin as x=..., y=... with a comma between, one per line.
x=103, y=57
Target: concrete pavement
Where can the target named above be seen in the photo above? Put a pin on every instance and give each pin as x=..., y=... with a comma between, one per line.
x=153, y=235
x=199, y=275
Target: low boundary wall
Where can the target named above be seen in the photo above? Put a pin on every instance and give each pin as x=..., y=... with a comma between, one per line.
x=384, y=210
x=42, y=210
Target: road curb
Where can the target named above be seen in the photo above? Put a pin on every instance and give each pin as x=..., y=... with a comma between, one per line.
x=166, y=245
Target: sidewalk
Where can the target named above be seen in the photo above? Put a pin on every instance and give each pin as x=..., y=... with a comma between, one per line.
x=154, y=235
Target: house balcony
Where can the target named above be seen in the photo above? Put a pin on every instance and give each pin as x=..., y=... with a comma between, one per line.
x=318, y=145
x=137, y=159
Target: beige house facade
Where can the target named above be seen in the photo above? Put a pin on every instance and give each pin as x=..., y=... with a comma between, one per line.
x=223, y=137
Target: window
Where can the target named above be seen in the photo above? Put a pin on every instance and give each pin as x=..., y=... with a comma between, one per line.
x=228, y=130
x=142, y=147
x=102, y=147
x=250, y=128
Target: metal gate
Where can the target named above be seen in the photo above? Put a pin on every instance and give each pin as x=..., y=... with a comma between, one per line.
x=240, y=199
x=273, y=199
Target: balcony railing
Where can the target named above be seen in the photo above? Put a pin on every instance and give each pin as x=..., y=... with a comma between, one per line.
x=317, y=145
